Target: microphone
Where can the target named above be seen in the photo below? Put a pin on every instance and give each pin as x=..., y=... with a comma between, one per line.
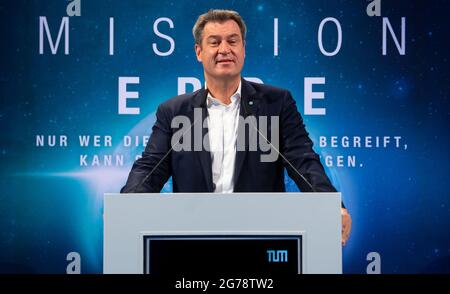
x=247, y=113
x=136, y=188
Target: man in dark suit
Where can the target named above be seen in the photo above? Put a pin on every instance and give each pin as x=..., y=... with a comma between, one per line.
x=203, y=139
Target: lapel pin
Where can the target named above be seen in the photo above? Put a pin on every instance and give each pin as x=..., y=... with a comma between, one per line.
x=250, y=102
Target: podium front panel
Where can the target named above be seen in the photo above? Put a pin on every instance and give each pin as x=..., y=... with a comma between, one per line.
x=136, y=224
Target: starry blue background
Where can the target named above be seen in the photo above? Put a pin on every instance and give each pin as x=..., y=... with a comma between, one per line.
x=399, y=201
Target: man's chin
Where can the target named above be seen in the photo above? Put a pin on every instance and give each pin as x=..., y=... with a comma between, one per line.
x=226, y=76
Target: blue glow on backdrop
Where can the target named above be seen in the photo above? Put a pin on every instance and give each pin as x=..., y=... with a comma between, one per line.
x=51, y=200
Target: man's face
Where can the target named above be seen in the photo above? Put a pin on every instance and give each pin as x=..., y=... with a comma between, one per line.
x=222, y=51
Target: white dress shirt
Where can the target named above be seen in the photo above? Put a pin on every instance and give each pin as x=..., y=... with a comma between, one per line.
x=222, y=131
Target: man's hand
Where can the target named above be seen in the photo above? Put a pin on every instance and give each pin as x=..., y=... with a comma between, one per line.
x=346, y=225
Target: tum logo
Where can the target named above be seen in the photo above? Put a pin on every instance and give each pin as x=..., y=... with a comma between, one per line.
x=277, y=255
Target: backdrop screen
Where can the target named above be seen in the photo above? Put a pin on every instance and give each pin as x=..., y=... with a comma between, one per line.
x=80, y=83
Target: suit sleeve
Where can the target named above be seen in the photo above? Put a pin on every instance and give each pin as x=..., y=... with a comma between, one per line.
x=297, y=148
x=150, y=172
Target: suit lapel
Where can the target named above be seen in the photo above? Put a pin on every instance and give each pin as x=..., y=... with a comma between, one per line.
x=199, y=101
x=249, y=106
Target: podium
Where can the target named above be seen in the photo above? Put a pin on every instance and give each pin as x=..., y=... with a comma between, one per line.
x=239, y=233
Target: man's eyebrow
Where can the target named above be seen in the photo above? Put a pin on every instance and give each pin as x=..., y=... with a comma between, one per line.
x=219, y=37
x=233, y=35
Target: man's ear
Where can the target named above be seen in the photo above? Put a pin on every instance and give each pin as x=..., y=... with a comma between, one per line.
x=198, y=52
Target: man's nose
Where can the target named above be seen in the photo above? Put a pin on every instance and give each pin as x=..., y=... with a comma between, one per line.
x=224, y=48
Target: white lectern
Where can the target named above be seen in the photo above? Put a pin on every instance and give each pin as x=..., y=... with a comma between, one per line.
x=138, y=226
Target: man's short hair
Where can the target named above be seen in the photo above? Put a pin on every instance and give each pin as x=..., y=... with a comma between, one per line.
x=220, y=16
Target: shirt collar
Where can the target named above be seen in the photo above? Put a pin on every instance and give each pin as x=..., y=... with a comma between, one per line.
x=234, y=98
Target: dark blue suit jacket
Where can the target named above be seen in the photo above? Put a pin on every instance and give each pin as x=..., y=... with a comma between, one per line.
x=191, y=171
